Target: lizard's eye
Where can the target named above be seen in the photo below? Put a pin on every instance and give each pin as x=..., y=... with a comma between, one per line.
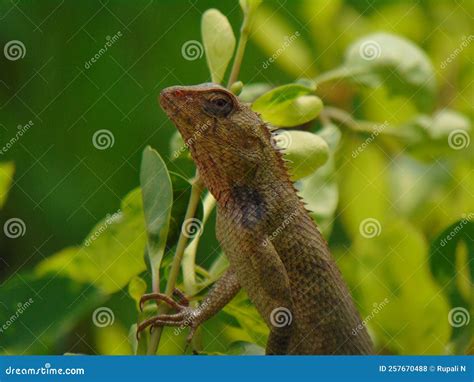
x=219, y=105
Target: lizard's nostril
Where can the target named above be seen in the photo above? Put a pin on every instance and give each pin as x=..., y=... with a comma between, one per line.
x=172, y=92
x=178, y=93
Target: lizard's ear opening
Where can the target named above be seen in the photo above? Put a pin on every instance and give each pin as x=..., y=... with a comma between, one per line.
x=218, y=104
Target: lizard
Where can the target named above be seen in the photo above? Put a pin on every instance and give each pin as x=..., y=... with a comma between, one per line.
x=275, y=250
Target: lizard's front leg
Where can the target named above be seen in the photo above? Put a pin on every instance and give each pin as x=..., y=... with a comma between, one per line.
x=220, y=294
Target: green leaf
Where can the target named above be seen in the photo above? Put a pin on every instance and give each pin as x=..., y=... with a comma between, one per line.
x=111, y=254
x=304, y=151
x=219, y=42
x=237, y=87
x=319, y=190
x=445, y=133
x=363, y=184
x=245, y=348
x=6, y=176
x=395, y=62
x=398, y=296
x=248, y=317
x=178, y=148
x=249, y=6
x=450, y=271
x=181, y=195
x=137, y=288
x=288, y=105
x=110, y=340
x=157, y=193
x=251, y=92
x=36, y=313
x=282, y=43
x=445, y=122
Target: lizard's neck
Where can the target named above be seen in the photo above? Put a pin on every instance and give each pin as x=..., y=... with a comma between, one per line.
x=267, y=181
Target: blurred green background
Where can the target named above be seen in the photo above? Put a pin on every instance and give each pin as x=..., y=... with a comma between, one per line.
x=63, y=185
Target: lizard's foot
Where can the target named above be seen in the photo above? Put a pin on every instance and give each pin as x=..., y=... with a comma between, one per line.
x=185, y=316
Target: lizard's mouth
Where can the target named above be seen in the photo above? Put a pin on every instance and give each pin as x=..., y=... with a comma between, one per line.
x=172, y=101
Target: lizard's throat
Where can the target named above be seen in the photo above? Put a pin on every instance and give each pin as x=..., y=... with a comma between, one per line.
x=213, y=176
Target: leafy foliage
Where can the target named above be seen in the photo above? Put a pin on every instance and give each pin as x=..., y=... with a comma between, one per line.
x=379, y=149
x=6, y=176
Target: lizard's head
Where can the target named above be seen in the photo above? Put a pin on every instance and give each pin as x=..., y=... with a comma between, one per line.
x=227, y=140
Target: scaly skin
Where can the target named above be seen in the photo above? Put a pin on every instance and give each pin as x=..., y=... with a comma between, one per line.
x=276, y=253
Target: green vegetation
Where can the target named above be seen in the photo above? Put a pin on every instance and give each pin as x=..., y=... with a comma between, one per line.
x=376, y=127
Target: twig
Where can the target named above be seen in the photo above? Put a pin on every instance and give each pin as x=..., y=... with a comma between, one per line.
x=194, y=199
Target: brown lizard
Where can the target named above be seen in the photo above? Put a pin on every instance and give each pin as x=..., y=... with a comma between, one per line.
x=276, y=253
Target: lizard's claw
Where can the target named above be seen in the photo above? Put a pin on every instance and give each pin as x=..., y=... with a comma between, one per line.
x=178, y=305
x=184, y=317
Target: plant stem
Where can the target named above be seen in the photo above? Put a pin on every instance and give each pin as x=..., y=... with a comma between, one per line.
x=194, y=199
x=345, y=118
x=362, y=126
x=338, y=73
x=239, y=55
x=189, y=258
